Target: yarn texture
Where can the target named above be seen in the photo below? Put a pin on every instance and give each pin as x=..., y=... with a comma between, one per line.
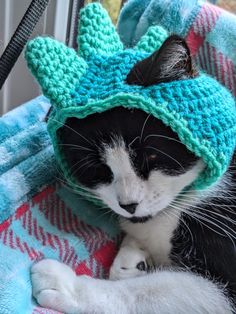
x=200, y=110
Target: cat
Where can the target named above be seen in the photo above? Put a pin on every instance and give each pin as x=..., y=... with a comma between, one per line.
x=178, y=254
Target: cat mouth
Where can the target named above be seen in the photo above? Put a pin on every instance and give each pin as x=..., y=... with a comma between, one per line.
x=142, y=219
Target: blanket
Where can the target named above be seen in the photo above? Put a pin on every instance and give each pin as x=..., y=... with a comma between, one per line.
x=40, y=217
x=26, y=154
x=209, y=30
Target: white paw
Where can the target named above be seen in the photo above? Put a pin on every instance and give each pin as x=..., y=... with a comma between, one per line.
x=130, y=262
x=53, y=285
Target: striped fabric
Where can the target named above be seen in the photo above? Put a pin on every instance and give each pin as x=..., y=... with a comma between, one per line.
x=53, y=225
x=208, y=40
x=40, y=218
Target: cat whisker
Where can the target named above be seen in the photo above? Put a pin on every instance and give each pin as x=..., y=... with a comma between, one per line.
x=182, y=220
x=216, y=193
x=79, y=161
x=215, y=189
x=146, y=158
x=201, y=216
x=162, y=136
x=208, y=202
x=199, y=219
x=82, y=136
x=67, y=181
x=81, y=192
x=73, y=146
x=142, y=131
x=87, y=159
x=143, y=163
x=203, y=210
x=88, y=165
x=159, y=151
x=231, y=236
x=134, y=141
x=109, y=211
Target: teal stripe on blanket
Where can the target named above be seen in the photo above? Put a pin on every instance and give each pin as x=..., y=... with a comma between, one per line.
x=26, y=155
x=24, y=180
x=138, y=15
x=15, y=286
x=47, y=227
x=23, y=145
x=22, y=117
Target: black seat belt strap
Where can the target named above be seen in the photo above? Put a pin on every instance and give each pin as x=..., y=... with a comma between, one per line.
x=20, y=37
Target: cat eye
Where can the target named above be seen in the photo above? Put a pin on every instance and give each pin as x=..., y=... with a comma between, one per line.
x=93, y=175
x=152, y=157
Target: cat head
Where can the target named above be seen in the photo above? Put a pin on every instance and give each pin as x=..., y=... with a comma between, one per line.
x=150, y=82
x=131, y=160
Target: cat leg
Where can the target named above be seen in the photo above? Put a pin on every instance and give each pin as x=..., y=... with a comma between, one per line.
x=131, y=260
x=165, y=292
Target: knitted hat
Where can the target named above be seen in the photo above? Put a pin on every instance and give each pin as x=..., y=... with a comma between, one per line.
x=199, y=110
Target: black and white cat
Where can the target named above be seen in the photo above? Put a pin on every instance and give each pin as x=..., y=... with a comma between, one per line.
x=138, y=167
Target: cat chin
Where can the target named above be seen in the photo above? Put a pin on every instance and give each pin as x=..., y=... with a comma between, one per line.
x=142, y=219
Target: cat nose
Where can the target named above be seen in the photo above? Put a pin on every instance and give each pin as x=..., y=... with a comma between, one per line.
x=130, y=208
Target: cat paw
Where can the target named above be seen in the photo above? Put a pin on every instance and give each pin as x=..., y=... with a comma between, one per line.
x=53, y=285
x=130, y=262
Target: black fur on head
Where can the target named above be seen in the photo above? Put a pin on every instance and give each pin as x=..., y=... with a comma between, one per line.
x=83, y=140
x=171, y=62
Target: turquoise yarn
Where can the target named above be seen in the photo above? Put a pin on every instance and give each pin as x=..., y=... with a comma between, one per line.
x=200, y=110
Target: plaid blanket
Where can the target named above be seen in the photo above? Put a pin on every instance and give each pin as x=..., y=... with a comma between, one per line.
x=209, y=30
x=40, y=217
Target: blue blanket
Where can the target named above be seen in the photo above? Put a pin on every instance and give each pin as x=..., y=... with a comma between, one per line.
x=26, y=154
x=40, y=218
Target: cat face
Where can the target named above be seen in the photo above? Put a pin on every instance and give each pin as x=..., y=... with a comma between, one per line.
x=130, y=159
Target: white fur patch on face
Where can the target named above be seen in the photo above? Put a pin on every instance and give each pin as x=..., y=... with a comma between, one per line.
x=151, y=195
x=126, y=187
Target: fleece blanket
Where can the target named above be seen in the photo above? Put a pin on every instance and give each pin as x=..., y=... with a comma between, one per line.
x=40, y=217
x=209, y=30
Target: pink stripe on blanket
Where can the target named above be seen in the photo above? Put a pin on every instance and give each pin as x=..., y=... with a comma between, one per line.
x=46, y=227
x=206, y=19
x=203, y=24
x=232, y=76
x=206, y=56
x=194, y=41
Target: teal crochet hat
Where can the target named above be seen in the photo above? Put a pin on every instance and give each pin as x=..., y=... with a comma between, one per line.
x=199, y=110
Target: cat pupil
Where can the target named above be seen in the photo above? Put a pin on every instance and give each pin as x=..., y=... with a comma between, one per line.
x=152, y=157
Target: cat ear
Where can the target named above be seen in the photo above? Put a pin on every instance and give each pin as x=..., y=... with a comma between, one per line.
x=56, y=67
x=171, y=62
x=97, y=34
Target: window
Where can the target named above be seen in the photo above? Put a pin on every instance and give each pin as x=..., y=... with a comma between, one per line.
x=59, y=21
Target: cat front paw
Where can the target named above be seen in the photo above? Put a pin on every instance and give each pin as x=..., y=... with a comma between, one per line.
x=53, y=285
x=129, y=262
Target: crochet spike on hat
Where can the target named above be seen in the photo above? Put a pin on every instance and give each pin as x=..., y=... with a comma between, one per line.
x=199, y=110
